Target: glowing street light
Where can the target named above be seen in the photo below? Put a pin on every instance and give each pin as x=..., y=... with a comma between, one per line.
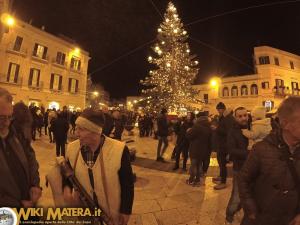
x=214, y=83
x=96, y=93
x=8, y=20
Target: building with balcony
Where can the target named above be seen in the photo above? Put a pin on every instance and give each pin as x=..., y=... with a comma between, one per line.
x=277, y=77
x=38, y=67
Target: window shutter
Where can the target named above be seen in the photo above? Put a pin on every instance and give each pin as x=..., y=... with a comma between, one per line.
x=8, y=72
x=60, y=83
x=63, y=58
x=35, y=49
x=70, y=84
x=38, y=79
x=30, y=77
x=72, y=63
x=79, y=65
x=45, y=52
x=76, y=89
x=51, y=81
x=17, y=73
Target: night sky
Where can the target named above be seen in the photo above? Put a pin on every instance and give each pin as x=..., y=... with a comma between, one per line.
x=109, y=29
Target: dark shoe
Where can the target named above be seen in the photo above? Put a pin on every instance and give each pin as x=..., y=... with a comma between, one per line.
x=220, y=186
x=196, y=184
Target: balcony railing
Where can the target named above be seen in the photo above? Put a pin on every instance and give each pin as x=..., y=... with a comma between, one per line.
x=283, y=91
x=55, y=63
x=17, y=50
x=4, y=79
x=40, y=59
x=38, y=87
x=57, y=91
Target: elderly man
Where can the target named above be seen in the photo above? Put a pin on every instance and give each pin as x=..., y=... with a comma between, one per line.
x=102, y=166
x=269, y=181
x=19, y=186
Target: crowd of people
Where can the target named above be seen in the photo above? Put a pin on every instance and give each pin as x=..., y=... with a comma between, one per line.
x=264, y=152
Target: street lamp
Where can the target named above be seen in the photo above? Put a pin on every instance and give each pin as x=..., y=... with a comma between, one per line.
x=96, y=93
x=214, y=83
x=8, y=20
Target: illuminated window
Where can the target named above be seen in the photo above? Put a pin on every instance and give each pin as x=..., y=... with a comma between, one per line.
x=264, y=60
x=54, y=105
x=60, y=58
x=295, y=88
x=265, y=85
x=34, y=77
x=40, y=51
x=225, y=92
x=75, y=63
x=254, y=89
x=244, y=90
x=73, y=85
x=56, y=82
x=13, y=73
x=234, y=91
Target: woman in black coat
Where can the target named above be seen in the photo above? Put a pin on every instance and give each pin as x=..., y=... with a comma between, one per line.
x=199, y=137
x=60, y=127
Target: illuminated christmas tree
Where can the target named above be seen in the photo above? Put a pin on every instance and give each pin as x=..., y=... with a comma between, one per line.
x=169, y=85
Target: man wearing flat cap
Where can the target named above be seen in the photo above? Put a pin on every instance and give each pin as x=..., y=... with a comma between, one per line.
x=102, y=166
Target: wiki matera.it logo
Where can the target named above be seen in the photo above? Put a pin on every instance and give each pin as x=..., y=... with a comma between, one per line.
x=7, y=216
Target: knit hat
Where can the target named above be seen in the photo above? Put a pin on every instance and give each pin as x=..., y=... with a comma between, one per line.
x=92, y=120
x=258, y=112
x=220, y=105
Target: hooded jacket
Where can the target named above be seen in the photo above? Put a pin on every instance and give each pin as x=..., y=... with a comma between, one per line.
x=259, y=130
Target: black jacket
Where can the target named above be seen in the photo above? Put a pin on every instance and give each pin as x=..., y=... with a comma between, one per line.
x=237, y=146
x=266, y=186
x=199, y=137
x=60, y=129
x=225, y=125
x=162, y=126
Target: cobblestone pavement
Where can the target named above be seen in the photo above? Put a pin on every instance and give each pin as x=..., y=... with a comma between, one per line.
x=161, y=195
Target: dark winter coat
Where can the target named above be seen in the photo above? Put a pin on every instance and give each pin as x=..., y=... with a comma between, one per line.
x=225, y=124
x=60, y=129
x=108, y=124
x=199, y=138
x=266, y=186
x=162, y=126
x=237, y=146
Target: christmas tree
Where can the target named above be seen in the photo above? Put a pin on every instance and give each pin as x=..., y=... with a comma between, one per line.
x=169, y=85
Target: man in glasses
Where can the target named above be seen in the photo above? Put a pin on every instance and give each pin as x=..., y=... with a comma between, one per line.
x=18, y=166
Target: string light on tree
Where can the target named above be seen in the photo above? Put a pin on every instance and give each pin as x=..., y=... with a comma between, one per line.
x=170, y=83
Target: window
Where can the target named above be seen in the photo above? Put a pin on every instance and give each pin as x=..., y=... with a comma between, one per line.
x=75, y=63
x=18, y=43
x=56, y=82
x=205, y=96
x=73, y=85
x=244, y=90
x=265, y=85
x=254, y=89
x=276, y=60
x=264, y=60
x=279, y=86
x=13, y=73
x=34, y=77
x=295, y=88
x=40, y=51
x=234, y=91
x=292, y=65
x=225, y=92
x=60, y=58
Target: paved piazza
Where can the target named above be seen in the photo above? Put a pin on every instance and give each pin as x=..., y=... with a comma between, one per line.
x=161, y=195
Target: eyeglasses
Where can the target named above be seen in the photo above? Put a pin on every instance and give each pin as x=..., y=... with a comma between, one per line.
x=3, y=118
